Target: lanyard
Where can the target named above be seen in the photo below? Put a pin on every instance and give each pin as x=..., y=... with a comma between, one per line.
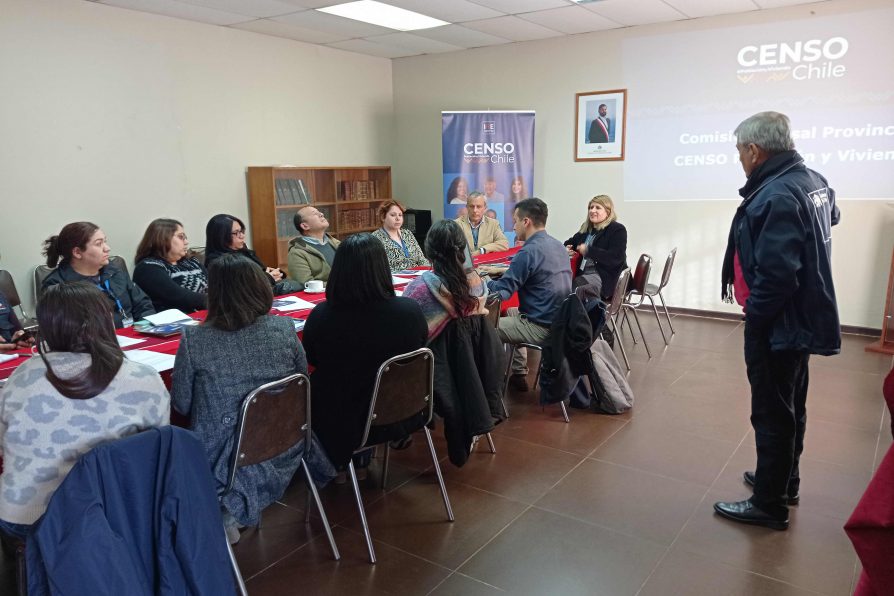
x=108, y=290
x=400, y=245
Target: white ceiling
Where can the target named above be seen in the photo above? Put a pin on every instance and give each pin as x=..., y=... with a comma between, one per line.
x=475, y=23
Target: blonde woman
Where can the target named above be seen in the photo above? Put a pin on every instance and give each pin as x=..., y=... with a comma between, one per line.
x=602, y=245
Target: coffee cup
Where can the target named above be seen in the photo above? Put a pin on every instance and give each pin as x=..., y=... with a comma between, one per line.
x=314, y=285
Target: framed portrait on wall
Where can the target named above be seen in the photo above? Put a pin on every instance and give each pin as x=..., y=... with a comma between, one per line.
x=600, y=125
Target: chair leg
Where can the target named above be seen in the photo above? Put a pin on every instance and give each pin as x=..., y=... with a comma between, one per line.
x=667, y=314
x=260, y=515
x=626, y=319
x=309, y=504
x=645, y=343
x=364, y=523
x=537, y=376
x=620, y=345
x=490, y=443
x=660, y=328
x=312, y=490
x=508, y=371
x=565, y=412
x=22, y=574
x=434, y=459
x=503, y=403
x=385, y=466
x=236, y=573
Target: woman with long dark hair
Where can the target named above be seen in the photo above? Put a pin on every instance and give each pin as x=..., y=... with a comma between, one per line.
x=81, y=391
x=81, y=251
x=225, y=234
x=452, y=289
x=239, y=347
x=166, y=272
x=361, y=324
x=602, y=244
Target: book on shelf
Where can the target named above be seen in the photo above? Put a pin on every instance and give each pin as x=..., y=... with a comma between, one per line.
x=304, y=197
x=283, y=197
x=357, y=190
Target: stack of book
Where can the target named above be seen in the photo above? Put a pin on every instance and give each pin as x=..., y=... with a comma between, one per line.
x=292, y=191
x=356, y=219
x=357, y=190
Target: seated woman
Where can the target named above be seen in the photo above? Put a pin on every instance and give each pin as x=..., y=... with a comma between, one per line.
x=469, y=358
x=452, y=289
x=82, y=254
x=401, y=248
x=166, y=272
x=238, y=348
x=12, y=336
x=361, y=324
x=80, y=392
x=602, y=245
x=225, y=234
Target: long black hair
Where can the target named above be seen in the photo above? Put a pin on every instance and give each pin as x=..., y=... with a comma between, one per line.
x=238, y=293
x=77, y=317
x=360, y=273
x=445, y=247
x=219, y=232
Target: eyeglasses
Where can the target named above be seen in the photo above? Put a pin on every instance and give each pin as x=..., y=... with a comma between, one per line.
x=182, y=236
x=238, y=233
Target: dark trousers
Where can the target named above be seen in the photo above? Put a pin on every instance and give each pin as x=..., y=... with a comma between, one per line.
x=779, y=418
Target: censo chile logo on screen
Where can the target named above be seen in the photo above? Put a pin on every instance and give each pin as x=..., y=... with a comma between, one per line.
x=801, y=60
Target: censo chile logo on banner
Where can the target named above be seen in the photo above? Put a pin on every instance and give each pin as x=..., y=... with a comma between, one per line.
x=799, y=60
x=489, y=152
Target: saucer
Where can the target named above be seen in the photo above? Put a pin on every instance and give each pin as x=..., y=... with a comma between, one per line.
x=316, y=291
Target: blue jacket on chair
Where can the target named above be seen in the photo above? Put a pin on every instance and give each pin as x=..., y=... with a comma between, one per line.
x=134, y=516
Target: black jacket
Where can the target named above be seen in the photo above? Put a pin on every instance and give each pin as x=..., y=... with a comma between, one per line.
x=606, y=254
x=469, y=368
x=566, y=355
x=782, y=233
x=133, y=300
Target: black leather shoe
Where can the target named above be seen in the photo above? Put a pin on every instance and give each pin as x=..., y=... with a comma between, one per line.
x=749, y=480
x=746, y=513
x=519, y=382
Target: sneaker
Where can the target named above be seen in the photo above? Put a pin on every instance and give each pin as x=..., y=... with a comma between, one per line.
x=519, y=382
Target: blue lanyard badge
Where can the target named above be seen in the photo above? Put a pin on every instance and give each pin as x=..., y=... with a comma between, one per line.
x=402, y=246
x=126, y=320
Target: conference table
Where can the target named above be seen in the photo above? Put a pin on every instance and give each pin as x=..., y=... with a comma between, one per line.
x=169, y=345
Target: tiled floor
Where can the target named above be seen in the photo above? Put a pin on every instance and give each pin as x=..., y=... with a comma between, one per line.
x=608, y=505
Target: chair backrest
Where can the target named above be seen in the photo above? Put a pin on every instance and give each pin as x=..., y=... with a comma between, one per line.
x=493, y=304
x=198, y=253
x=8, y=287
x=404, y=387
x=640, y=275
x=668, y=266
x=272, y=419
x=119, y=262
x=41, y=272
x=620, y=293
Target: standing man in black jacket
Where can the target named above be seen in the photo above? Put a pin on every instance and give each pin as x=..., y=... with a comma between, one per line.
x=778, y=265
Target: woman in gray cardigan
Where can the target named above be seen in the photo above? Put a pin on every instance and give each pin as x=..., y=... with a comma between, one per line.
x=238, y=348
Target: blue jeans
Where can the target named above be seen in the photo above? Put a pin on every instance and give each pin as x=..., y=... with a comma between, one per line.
x=14, y=530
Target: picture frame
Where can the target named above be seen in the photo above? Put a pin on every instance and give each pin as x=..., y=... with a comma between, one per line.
x=600, y=138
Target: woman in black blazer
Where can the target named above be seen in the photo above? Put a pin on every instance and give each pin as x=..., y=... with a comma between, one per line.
x=602, y=245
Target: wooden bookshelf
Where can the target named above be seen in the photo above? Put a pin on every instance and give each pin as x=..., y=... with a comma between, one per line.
x=347, y=196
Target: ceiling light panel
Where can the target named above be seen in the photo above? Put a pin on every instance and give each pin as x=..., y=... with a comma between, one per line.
x=383, y=15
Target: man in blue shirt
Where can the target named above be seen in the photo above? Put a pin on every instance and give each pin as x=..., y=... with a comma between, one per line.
x=541, y=274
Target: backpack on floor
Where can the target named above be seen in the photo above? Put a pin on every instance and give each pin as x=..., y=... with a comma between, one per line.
x=611, y=393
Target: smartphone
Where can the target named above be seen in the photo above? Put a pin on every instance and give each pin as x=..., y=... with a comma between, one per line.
x=25, y=336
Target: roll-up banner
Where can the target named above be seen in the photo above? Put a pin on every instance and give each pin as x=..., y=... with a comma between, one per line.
x=493, y=153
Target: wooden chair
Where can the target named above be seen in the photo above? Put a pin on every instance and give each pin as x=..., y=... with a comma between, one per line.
x=273, y=418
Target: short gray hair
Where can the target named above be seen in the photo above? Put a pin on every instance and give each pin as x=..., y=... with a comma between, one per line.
x=474, y=195
x=771, y=131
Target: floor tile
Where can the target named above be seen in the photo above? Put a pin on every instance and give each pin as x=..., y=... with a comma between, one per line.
x=545, y=553
x=461, y=585
x=585, y=433
x=311, y=570
x=282, y=532
x=630, y=501
x=814, y=553
x=413, y=519
x=687, y=574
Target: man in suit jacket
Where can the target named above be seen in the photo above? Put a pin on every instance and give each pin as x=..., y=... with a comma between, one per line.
x=601, y=127
x=311, y=254
x=482, y=233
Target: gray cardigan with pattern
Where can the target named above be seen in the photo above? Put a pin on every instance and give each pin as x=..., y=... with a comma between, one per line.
x=213, y=373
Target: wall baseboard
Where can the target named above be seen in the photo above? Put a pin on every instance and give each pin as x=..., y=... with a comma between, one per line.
x=870, y=332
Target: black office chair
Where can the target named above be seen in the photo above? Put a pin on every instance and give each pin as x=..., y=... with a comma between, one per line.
x=8, y=287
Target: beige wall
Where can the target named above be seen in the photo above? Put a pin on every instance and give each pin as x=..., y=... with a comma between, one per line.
x=544, y=76
x=119, y=117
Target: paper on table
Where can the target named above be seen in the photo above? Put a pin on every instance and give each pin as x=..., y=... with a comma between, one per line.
x=398, y=292
x=290, y=303
x=172, y=315
x=8, y=357
x=399, y=281
x=128, y=341
x=160, y=362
